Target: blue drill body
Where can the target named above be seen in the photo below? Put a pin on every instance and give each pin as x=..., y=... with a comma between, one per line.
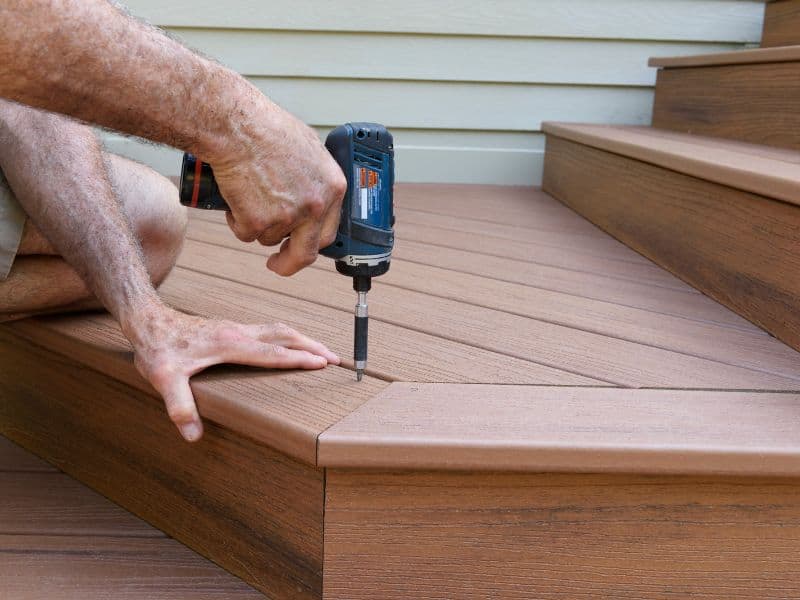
x=365, y=238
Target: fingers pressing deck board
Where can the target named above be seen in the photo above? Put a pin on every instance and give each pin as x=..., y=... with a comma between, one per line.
x=285, y=410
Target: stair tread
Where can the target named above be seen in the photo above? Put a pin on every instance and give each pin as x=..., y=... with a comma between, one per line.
x=527, y=428
x=737, y=57
x=764, y=170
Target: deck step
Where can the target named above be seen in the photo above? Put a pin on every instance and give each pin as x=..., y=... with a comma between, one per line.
x=781, y=24
x=749, y=95
x=722, y=216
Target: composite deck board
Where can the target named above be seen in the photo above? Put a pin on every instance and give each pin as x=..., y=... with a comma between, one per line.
x=738, y=247
x=14, y=458
x=286, y=410
x=596, y=285
x=247, y=507
x=750, y=102
x=592, y=241
x=608, y=359
x=396, y=352
x=421, y=534
x=589, y=430
x=781, y=24
x=60, y=540
x=750, y=348
x=54, y=504
x=97, y=568
x=773, y=173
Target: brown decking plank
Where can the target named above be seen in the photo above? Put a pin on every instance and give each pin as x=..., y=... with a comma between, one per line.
x=736, y=57
x=781, y=24
x=508, y=205
x=596, y=241
x=14, y=458
x=750, y=349
x=516, y=536
x=246, y=506
x=54, y=504
x=396, y=352
x=592, y=355
x=586, y=285
x=575, y=259
x=772, y=173
x=752, y=102
x=540, y=429
x=738, y=247
x=286, y=410
x=91, y=568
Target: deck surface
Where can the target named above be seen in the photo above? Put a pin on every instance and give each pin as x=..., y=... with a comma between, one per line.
x=60, y=540
x=488, y=285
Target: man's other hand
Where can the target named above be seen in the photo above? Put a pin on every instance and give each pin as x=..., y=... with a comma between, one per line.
x=171, y=346
x=282, y=185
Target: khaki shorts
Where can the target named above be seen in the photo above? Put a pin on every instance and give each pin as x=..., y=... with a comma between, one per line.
x=12, y=221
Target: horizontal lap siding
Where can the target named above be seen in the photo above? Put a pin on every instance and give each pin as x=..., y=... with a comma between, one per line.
x=465, y=85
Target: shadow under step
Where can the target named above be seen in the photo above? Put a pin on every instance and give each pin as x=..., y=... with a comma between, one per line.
x=722, y=216
x=748, y=95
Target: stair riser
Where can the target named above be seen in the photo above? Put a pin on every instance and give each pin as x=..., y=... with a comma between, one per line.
x=754, y=103
x=781, y=24
x=739, y=248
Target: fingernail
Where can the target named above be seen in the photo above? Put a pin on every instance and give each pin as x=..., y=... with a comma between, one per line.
x=191, y=431
x=334, y=359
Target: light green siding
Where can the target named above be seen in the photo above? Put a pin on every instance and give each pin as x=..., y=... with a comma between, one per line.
x=463, y=84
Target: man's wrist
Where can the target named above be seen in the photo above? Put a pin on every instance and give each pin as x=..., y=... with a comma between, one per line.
x=139, y=320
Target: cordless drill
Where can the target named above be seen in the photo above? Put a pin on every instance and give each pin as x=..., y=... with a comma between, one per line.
x=363, y=245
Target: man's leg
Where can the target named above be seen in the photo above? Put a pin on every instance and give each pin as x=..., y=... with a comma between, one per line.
x=40, y=281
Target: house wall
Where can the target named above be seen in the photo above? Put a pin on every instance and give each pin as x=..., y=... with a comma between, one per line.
x=463, y=84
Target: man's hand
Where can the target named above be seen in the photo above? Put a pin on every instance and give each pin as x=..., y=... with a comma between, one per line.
x=103, y=66
x=171, y=346
x=279, y=181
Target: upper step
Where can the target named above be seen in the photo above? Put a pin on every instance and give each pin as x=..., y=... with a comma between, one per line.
x=749, y=95
x=770, y=172
x=781, y=24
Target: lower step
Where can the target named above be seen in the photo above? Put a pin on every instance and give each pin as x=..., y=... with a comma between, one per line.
x=741, y=248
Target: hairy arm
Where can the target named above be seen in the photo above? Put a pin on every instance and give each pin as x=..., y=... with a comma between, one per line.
x=56, y=169
x=88, y=59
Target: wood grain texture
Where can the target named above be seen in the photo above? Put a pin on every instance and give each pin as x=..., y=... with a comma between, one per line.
x=14, y=458
x=285, y=410
x=685, y=302
x=768, y=172
x=540, y=343
x=737, y=247
x=515, y=536
x=54, y=504
x=752, y=103
x=320, y=304
x=585, y=430
x=750, y=349
x=781, y=24
x=739, y=57
x=95, y=568
x=254, y=511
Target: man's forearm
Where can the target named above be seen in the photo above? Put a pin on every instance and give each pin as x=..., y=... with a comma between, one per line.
x=105, y=67
x=65, y=189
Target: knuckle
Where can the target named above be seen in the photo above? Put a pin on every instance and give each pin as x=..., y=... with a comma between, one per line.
x=316, y=206
x=327, y=238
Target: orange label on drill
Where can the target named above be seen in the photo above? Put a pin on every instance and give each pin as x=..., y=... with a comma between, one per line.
x=366, y=195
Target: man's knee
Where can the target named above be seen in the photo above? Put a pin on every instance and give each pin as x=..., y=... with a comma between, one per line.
x=157, y=217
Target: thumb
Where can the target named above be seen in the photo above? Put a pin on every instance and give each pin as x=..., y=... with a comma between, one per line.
x=181, y=407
